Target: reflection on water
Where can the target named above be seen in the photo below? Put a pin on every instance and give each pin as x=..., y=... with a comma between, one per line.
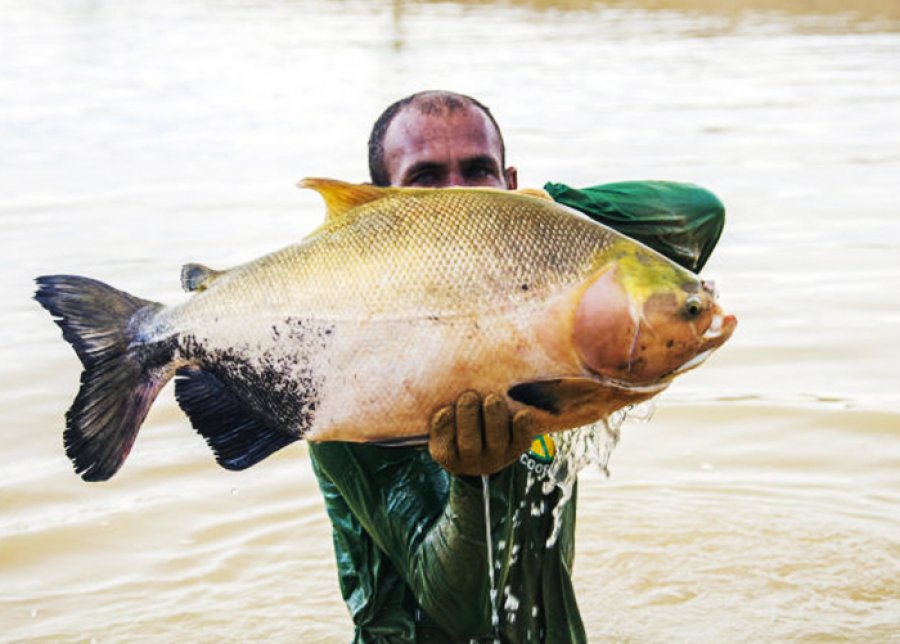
x=761, y=501
x=882, y=11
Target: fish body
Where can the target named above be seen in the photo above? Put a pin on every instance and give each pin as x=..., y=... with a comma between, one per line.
x=399, y=302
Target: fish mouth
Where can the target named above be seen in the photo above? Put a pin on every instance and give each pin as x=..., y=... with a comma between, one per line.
x=720, y=329
x=721, y=326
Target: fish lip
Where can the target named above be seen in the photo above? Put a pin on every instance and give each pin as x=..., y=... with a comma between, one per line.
x=720, y=329
x=653, y=387
x=696, y=361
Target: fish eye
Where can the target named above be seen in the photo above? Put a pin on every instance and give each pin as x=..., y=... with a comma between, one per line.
x=693, y=306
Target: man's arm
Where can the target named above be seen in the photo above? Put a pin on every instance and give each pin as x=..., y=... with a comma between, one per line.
x=680, y=220
x=428, y=523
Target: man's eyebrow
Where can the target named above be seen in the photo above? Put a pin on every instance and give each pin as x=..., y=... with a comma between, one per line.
x=480, y=160
x=420, y=166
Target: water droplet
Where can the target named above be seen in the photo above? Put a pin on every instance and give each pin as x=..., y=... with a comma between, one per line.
x=486, y=497
x=510, y=605
x=578, y=448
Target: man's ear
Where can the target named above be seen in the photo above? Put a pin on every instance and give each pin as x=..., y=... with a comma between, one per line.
x=512, y=178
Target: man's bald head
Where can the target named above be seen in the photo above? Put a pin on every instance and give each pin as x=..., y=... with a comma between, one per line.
x=438, y=139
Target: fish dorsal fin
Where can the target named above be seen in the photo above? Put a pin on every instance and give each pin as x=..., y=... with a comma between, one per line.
x=535, y=192
x=197, y=277
x=341, y=197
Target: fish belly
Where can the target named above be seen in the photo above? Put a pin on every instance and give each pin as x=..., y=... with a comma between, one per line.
x=381, y=379
x=371, y=380
x=386, y=378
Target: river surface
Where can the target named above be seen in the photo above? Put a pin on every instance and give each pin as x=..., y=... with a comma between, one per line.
x=762, y=500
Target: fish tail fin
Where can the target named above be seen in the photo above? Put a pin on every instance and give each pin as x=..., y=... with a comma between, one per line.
x=121, y=376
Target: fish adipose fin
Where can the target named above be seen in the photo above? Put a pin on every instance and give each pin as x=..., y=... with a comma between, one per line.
x=556, y=395
x=120, y=379
x=341, y=197
x=236, y=436
x=197, y=277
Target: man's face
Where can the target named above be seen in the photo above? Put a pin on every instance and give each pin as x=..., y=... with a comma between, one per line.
x=458, y=148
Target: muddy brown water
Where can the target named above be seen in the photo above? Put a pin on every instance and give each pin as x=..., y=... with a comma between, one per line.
x=761, y=500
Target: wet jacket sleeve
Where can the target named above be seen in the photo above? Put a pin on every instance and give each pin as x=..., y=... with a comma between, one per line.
x=429, y=524
x=680, y=220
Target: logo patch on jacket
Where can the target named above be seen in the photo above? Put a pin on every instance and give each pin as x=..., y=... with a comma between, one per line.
x=540, y=457
x=543, y=449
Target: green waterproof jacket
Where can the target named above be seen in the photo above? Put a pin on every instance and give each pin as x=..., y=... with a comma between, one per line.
x=410, y=538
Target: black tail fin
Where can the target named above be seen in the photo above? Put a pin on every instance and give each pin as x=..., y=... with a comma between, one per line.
x=121, y=376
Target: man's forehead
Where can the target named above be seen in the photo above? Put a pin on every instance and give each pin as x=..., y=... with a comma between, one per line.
x=466, y=126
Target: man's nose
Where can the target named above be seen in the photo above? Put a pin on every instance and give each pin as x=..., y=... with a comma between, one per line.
x=454, y=178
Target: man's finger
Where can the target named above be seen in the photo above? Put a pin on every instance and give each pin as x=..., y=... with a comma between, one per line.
x=524, y=429
x=497, y=432
x=442, y=442
x=469, y=427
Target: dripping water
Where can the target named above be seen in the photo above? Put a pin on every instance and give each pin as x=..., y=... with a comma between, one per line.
x=495, y=614
x=575, y=450
x=578, y=448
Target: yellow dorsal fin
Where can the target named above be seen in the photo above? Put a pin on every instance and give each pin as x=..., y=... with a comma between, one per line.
x=535, y=192
x=341, y=196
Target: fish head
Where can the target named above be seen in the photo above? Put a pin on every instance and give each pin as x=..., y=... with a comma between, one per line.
x=641, y=319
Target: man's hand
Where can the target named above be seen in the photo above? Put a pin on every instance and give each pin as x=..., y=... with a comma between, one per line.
x=476, y=437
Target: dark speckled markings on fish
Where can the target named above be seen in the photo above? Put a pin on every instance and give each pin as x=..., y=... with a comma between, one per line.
x=237, y=397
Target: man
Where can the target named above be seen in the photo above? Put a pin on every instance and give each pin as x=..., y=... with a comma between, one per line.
x=409, y=531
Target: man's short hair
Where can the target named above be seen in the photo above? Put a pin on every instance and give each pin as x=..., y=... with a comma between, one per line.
x=427, y=102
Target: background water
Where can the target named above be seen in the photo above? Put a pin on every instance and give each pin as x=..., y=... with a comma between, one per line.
x=761, y=501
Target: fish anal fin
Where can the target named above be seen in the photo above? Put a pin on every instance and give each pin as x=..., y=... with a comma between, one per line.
x=197, y=277
x=237, y=437
x=556, y=396
x=340, y=196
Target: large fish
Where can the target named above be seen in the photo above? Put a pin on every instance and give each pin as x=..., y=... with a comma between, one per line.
x=399, y=302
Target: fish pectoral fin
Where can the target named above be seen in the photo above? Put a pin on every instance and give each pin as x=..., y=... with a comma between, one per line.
x=197, y=277
x=341, y=197
x=237, y=437
x=555, y=395
x=535, y=192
